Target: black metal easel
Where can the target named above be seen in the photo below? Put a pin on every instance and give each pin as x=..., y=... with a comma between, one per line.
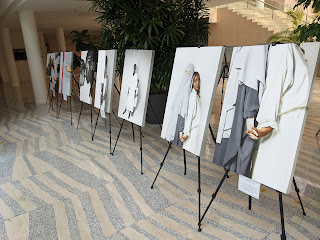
x=59, y=109
x=298, y=194
x=214, y=195
x=118, y=136
x=90, y=112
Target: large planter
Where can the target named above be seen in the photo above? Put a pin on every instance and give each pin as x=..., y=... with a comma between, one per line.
x=156, y=108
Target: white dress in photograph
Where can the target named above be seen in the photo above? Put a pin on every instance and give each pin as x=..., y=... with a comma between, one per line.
x=192, y=123
x=133, y=90
x=103, y=98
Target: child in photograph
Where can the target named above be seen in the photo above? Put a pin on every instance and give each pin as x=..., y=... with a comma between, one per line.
x=190, y=131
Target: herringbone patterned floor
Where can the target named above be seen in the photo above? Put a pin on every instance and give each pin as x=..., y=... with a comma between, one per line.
x=55, y=183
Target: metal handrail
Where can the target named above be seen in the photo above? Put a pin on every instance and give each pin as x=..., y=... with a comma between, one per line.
x=283, y=4
x=273, y=7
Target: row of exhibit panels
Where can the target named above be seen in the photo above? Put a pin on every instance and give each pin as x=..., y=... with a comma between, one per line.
x=194, y=80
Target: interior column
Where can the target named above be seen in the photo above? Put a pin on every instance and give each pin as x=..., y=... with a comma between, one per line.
x=61, y=40
x=11, y=68
x=33, y=50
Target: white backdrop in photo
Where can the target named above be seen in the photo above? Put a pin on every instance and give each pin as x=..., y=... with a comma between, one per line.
x=207, y=62
x=144, y=62
x=110, y=76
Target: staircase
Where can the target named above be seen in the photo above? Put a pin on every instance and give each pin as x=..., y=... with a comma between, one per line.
x=270, y=16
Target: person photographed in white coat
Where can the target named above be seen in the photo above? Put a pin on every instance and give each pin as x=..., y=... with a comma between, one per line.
x=132, y=93
x=190, y=131
x=179, y=107
x=281, y=117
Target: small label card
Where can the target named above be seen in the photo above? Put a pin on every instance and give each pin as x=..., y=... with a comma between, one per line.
x=249, y=186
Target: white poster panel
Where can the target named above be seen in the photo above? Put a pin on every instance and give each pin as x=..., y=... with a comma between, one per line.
x=192, y=90
x=136, y=79
x=49, y=64
x=87, y=72
x=65, y=77
x=105, y=80
x=275, y=160
x=55, y=70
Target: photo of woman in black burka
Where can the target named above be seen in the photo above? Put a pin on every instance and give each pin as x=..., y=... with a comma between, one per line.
x=88, y=69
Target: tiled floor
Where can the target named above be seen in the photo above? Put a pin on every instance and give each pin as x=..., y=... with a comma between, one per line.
x=55, y=183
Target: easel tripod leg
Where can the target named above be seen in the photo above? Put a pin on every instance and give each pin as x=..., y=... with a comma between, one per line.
x=91, y=121
x=51, y=103
x=199, y=192
x=297, y=191
x=283, y=232
x=117, y=137
x=132, y=132
x=95, y=127
x=185, y=162
x=226, y=171
x=141, y=149
x=161, y=164
x=212, y=135
x=71, y=108
x=250, y=201
x=116, y=117
x=110, y=130
x=80, y=115
x=215, y=194
x=60, y=107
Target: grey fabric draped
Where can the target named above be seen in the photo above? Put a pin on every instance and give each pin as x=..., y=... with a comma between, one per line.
x=234, y=153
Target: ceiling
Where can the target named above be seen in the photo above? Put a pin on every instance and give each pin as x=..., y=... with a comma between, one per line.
x=50, y=14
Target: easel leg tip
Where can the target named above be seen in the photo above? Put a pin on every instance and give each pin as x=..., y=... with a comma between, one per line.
x=199, y=229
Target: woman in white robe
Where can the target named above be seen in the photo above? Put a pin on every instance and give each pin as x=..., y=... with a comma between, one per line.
x=190, y=131
x=281, y=117
x=179, y=107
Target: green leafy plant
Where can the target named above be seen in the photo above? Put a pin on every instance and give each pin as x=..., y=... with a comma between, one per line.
x=290, y=34
x=160, y=25
x=84, y=42
x=309, y=32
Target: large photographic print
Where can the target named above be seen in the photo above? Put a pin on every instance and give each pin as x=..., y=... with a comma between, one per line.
x=65, y=79
x=192, y=89
x=88, y=67
x=105, y=81
x=264, y=111
x=55, y=71
x=135, y=85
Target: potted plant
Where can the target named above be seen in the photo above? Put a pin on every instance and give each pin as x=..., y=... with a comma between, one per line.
x=160, y=25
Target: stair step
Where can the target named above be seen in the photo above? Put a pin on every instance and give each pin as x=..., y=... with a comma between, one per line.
x=271, y=19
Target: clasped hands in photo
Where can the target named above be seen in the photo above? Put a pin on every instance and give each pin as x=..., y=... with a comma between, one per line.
x=254, y=132
x=183, y=138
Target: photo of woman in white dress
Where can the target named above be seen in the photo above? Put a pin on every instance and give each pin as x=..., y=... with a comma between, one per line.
x=179, y=107
x=190, y=131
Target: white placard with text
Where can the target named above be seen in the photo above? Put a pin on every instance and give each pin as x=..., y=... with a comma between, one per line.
x=249, y=186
